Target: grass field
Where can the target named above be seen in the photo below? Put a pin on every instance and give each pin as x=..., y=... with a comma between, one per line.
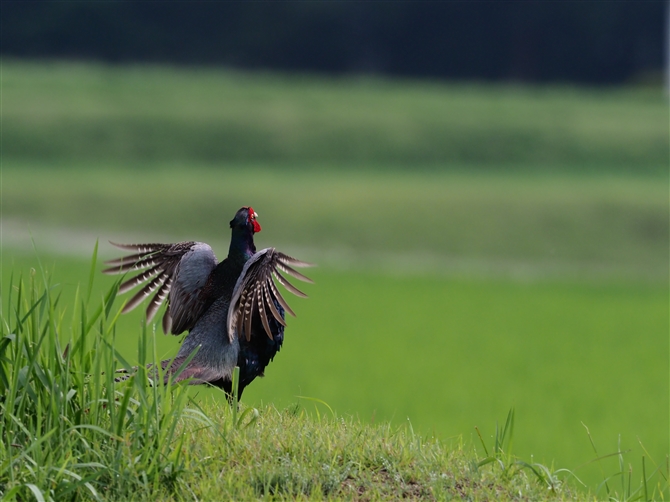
x=612, y=225
x=421, y=335
x=129, y=114
x=445, y=294
x=71, y=432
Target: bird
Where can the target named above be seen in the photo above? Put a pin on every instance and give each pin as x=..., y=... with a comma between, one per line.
x=233, y=311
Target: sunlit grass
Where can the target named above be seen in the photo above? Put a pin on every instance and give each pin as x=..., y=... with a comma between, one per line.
x=443, y=298
x=389, y=347
x=71, y=432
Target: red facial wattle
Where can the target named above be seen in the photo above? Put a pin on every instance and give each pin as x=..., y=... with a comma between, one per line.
x=252, y=219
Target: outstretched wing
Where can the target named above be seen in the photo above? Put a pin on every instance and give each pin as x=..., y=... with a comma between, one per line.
x=255, y=291
x=179, y=270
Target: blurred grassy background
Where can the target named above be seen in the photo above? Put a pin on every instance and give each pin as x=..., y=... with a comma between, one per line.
x=480, y=246
x=553, y=224
x=73, y=111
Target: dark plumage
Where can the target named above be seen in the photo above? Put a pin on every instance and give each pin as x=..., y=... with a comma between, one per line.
x=233, y=311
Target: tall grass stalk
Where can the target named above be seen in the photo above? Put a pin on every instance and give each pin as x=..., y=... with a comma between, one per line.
x=510, y=466
x=68, y=430
x=628, y=493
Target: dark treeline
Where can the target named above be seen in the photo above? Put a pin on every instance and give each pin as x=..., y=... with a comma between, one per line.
x=604, y=42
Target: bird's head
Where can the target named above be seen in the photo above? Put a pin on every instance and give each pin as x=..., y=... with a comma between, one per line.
x=246, y=218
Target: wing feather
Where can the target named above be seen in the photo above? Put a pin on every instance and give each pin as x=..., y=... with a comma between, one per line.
x=177, y=272
x=139, y=279
x=288, y=260
x=140, y=248
x=143, y=293
x=278, y=296
x=129, y=266
x=124, y=260
x=271, y=304
x=293, y=272
x=248, y=310
x=261, y=310
x=158, y=298
x=284, y=282
x=256, y=293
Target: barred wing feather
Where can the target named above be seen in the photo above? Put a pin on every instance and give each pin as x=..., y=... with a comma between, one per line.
x=178, y=272
x=255, y=291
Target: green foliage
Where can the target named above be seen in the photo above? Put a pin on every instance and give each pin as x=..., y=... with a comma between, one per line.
x=129, y=114
x=560, y=378
x=68, y=430
x=545, y=283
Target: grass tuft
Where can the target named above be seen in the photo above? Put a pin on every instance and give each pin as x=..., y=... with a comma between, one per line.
x=627, y=491
x=68, y=430
x=511, y=466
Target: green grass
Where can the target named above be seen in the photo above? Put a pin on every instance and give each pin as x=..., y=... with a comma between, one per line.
x=445, y=298
x=450, y=354
x=69, y=432
x=93, y=112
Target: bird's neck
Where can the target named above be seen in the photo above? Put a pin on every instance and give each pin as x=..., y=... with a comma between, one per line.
x=241, y=245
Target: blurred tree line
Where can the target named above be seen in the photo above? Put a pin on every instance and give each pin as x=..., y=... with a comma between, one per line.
x=579, y=41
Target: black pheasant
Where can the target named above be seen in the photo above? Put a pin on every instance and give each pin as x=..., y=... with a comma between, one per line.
x=233, y=311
